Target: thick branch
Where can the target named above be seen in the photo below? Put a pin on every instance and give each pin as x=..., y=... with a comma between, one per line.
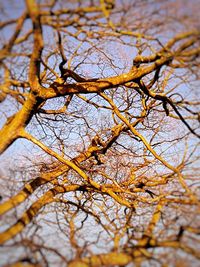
x=10, y=131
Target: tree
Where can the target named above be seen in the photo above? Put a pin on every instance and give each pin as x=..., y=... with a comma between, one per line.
x=99, y=137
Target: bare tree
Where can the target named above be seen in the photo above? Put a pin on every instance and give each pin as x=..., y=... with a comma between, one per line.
x=100, y=133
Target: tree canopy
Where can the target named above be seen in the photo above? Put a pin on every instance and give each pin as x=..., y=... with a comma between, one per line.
x=99, y=139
